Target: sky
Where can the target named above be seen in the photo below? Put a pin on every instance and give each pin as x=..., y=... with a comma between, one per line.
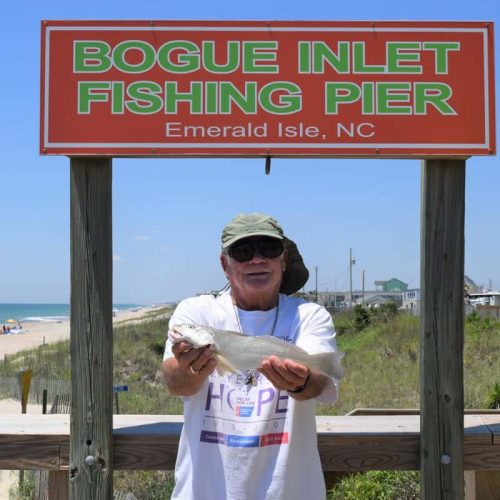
x=168, y=213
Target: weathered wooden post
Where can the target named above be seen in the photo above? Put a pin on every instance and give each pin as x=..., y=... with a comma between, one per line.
x=442, y=330
x=91, y=466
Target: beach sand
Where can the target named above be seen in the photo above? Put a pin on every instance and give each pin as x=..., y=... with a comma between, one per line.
x=39, y=333
x=36, y=334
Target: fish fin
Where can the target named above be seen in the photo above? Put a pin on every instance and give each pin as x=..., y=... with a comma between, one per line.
x=329, y=363
x=223, y=365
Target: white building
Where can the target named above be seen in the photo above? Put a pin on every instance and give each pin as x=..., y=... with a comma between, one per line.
x=484, y=299
x=411, y=301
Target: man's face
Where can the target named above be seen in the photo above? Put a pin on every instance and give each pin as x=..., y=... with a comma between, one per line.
x=259, y=277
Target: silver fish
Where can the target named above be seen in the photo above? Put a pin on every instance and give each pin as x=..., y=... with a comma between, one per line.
x=235, y=351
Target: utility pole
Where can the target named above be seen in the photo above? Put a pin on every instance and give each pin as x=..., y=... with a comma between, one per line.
x=316, y=284
x=363, y=281
x=351, y=262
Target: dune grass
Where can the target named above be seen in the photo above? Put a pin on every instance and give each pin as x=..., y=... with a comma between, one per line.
x=381, y=364
x=381, y=367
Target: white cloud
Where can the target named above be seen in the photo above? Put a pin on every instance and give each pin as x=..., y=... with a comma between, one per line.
x=143, y=238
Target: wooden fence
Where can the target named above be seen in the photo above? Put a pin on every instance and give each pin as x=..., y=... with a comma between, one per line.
x=351, y=443
x=9, y=388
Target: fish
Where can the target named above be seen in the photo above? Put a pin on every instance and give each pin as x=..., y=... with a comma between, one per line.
x=235, y=351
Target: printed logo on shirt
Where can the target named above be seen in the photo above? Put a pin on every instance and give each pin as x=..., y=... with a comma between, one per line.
x=279, y=438
x=236, y=441
x=244, y=416
x=244, y=411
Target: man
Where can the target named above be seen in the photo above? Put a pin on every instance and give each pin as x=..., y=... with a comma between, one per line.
x=252, y=435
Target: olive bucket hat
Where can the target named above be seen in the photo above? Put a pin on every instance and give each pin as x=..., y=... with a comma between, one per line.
x=244, y=225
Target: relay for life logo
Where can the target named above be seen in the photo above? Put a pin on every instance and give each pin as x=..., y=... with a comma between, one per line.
x=267, y=89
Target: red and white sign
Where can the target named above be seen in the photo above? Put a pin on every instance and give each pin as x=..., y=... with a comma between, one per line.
x=178, y=88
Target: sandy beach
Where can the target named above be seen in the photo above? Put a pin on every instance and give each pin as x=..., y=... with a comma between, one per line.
x=39, y=333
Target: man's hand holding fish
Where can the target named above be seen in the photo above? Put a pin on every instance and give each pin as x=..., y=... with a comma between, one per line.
x=194, y=366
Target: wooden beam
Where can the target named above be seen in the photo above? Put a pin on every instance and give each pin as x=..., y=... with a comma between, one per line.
x=91, y=343
x=442, y=330
x=149, y=442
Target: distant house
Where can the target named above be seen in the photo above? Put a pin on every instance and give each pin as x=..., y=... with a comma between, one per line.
x=392, y=285
x=486, y=304
x=376, y=300
x=484, y=299
x=340, y=300
x=411, y=301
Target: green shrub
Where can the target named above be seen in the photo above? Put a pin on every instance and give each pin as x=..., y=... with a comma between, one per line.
x=473, y=317
x=377, y=485
x=145, y=485
x=493, y=398
x=25, y=490
x=362, y=317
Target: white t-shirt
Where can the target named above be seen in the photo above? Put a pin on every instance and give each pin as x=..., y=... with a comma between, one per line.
x=252, y=442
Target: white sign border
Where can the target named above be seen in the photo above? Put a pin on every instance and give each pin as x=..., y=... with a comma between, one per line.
x=247, y=145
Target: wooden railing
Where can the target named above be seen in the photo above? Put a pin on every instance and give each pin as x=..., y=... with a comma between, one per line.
x=350, y=443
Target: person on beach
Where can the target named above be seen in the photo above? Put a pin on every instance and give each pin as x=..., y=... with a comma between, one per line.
x=252, y=435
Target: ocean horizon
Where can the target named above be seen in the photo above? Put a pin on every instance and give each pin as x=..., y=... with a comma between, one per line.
x=24, y=313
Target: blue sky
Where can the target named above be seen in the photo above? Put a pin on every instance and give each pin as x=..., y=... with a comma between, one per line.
x=168, y=213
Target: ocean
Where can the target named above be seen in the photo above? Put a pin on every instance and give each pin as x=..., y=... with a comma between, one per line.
x=23, y=313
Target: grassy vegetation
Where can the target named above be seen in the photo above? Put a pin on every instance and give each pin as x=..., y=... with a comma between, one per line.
x=377, y=485
x=381, y=371
x=381, y=365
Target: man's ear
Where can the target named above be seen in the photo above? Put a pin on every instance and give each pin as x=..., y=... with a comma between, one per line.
x=224, y=263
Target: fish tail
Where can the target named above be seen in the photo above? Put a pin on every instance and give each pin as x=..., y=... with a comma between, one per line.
x=330, y=363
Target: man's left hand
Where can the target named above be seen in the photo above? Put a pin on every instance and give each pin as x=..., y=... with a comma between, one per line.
x=285, y=375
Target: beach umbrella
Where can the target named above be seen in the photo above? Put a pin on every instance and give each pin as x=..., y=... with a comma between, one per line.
x=11, y=321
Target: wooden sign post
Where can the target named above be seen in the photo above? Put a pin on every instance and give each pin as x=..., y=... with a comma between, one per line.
x=91, y=464
x=442, y=330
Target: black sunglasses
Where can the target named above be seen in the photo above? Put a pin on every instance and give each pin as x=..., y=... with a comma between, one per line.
x=270, y=248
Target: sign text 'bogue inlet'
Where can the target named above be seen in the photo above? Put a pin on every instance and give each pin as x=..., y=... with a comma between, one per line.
x=194, y=88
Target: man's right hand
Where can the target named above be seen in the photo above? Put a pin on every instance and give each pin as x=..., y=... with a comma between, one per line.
x=186, y=372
